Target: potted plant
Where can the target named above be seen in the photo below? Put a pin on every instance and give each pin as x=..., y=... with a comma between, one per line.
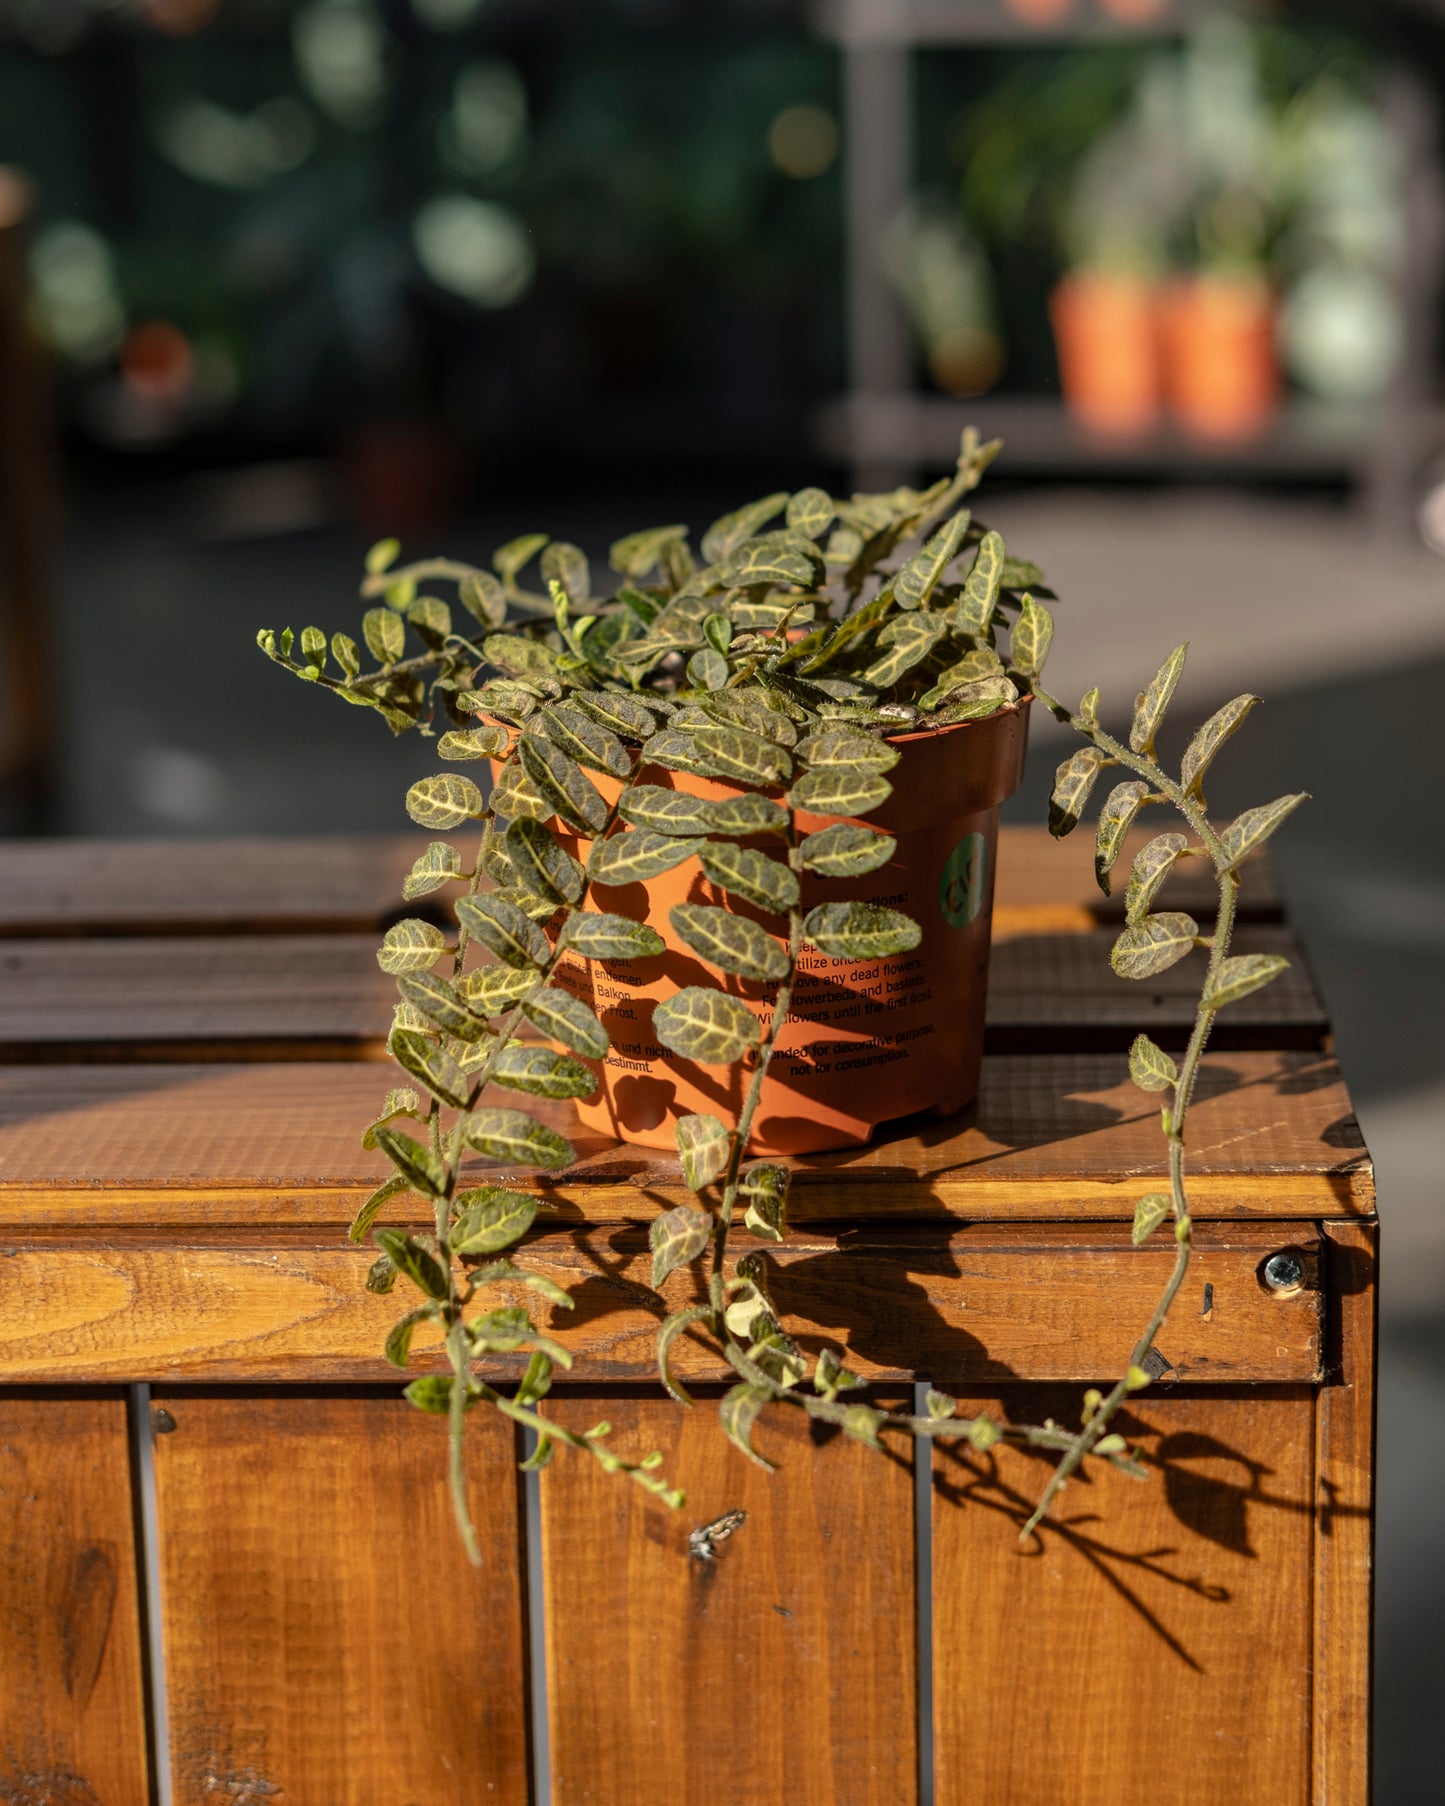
x=711, y=793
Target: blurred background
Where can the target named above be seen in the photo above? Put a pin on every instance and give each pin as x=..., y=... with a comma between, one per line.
x=277, y=278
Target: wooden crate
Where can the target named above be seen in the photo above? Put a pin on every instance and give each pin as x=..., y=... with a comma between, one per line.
x=229, y=1547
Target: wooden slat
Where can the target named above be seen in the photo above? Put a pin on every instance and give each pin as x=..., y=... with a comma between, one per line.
x=1154, y=1643
x=324, y=1639
x=784, y=1670
x=320, y=997
x=72, y=1716
x=1344, y=1522
x=969, y=1307
x=244, y=886
x=1271, y=1135
x=353, y=884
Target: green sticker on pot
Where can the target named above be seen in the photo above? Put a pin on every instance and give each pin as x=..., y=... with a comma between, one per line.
x=963, y=881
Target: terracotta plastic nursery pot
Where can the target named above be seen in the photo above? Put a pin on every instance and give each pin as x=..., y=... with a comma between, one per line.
x=866, y=1040
x=1106, y=336
x=1220, y=368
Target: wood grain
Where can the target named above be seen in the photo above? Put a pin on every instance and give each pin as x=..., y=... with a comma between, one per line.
x=1154, y=1643
x=983, y=1304
x=325, y=1642
x=72, y=1716
x=323, y=996
x=1345, y=1522
x=353, y=885
x=1272, y=1135
x=784, y=1670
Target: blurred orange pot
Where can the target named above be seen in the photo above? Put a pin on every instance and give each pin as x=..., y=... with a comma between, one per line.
x=1220, y=371
x=1105, y=333
x=866, y=1041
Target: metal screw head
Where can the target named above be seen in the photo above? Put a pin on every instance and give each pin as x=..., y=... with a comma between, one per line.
x=1282, y=1271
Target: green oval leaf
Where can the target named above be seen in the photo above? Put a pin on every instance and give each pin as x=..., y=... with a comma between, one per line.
x=703, y=1145
x=638, y=553
x=1031, y=638
x=744, y=872
x=490, y=1218
x=974, y=609
x=504, y=929
x=1254, y=827
x=730, y=530
x=420, y=1168
x=385, y=635
x=595, y=935
x=907, y=640
x=567, y=565
x=483, y=598
x=1152, y=865
x=438, y=865
x=1150, y=704
x=730, y=942
x=540, y=864
x=382, y=556
x=512, y=1135
x=1200, y=752
x=1150, y=1067
x=432, y=1393
x=763, y=1187
x=747, y=815
x=707, y=669
x=441, y=1004
x=1239, y=976
x=860, y=931
x=516, y=798
x=810, y=512
x=630, y=858
x=737, y=1413
x=419, y=1055
x=1149, y=1213
x=915, y=583
x=619, y=713
x=677, y=1237
x=398, y=1343
x=585, y=740
x=563, y=783
x=722, y=751
x=671, y=1329
x=665, y=811
x=1072, y=783
x=840, y=790
x=443, y=801
x=409, y=1257
x=411, y=946
x=492, y=989
x=567, y=1019
x=845, y=851
x=706, y=1025
x=1115, y=820
x=542, y=1073
x=1153, y=945
x=846, y=750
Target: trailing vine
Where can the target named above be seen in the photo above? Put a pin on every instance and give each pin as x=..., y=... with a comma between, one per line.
x=781, y=664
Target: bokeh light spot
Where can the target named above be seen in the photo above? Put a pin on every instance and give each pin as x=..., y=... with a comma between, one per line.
x=474, y=248
x=803, y=141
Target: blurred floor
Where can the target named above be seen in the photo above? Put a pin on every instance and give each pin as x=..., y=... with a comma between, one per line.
x=175, y=723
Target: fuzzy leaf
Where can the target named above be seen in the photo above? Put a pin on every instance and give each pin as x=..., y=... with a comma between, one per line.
x=1089, y=708
x=419, y=1055
x=972, y=668
x=667, y=1335
x=747, y=815
x=411, y=946
x=483, y=598
x=773, y=558
x=665, y=811
x=1115, y=820
x=567, y=1019
x=863, y=1423
x=730, y=942
x=707, y=669
x=382, y=556
x=677, y=1237
x=1153, y=945
x=831, y=1377
x=764, y=1189
x=843, y=749
x=366, y=1216
x=438, y=865
x=810, y=512
x=1149, y=1213
x=516, y=798
x=598, y=936
x=1150, y=704
x=441, y=1004
x=409, y=1257
x=722, y=751
x=840, y=790
x=490, y=1218
x=908, y=639
x=638, y=553
x=1152, y=865
x=1239, y=976
x=585, y=740
x=915, y=583
x=845, y=851
x=385, y=635
x=443, y=801
x=432, y=620
x=512, y=1135
x=504, y=929
x=432, y=1393
x=706, y=1025
x=509, y=559
x=1200, y=752
x=540, y=864
x=860, y=931
x=730, y=530
x=563, y=783
x=618, y=713
x=977, y=701
x=1150, y=1067
x=1031, y=638
x=703, y=1145
x=492, y=989
x=738, y=1412
x=542, y=1073
x=630, y=858
x=974, y=609
x=1254, y=827
x=1072, y=783
x=567, y=565
x=398, y=1342
x=746, y=873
